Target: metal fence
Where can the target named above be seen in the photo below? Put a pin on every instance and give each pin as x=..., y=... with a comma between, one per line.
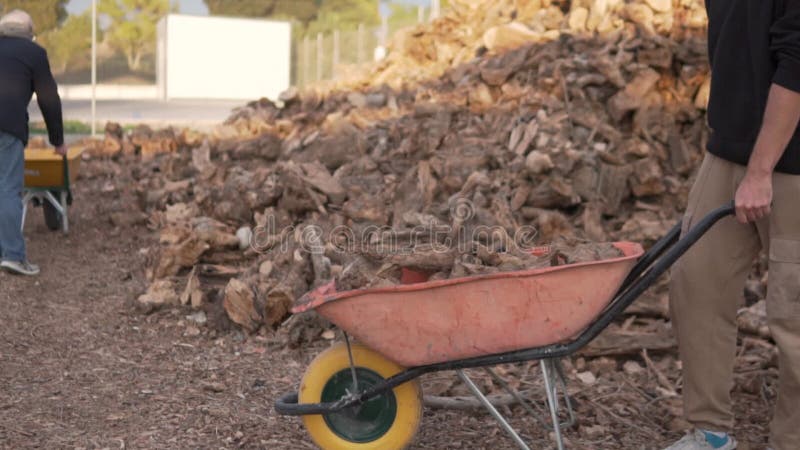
x=326, y=56
x=322, y=56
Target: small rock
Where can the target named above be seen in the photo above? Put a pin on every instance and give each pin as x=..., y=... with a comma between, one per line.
x=357, y=99
x=192, y=330
x=245, y=236
x=376, y=100
x=602, y=365
x=198, y=317
x=632, y=368
x=538, y=162
x=127, y=218
x=265, y=268
x=328, y=334
x=213, y=386
x=593, y=432
x=586, y=378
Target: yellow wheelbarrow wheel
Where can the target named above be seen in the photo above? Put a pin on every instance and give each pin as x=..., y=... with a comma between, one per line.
x=386, y=422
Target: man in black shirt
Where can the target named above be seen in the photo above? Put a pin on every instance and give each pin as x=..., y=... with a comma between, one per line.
x=754, y=158
x=24, y=69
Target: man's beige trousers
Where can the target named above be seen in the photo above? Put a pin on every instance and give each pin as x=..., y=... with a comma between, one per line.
x=706, y=290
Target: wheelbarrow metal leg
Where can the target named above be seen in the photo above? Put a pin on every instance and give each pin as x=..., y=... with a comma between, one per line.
x=26, y=198
x=492, y=410
x=60, y=205
x=548, y=371
x=64, y=217
x=526, y=404
x=562, y=380
x=352, y=363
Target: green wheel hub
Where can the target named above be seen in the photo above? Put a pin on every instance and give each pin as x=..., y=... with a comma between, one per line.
x=361, y=423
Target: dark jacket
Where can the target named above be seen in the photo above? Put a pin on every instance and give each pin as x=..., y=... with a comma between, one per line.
x=752, y=44
x=24, y=69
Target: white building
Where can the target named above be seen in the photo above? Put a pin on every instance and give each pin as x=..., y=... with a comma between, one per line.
x=222, y=58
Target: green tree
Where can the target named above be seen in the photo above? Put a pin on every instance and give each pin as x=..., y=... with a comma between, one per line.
x=344, y=15
x=313, y=15
x=69, y=42
x=46, y=14
x=132, y=28
x=302, y=11
x=403, y=16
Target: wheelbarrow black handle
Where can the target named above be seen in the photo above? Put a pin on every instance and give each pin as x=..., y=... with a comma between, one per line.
x=657, y=260
x=65, y=170
x=673, y=236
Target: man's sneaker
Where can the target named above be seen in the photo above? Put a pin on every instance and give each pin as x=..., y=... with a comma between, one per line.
x=700, y=440
x=20, y=268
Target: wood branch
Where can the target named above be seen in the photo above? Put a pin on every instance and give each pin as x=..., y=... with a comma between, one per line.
x=650, y=304
x=317, y=175
x=280, y=298
x=239, y=304
x=192, y=293
x=320, y=264
x=423, y=257
x=613, y=342
x=181, y=255
x=662, y=379
x=753, y=320
x=217, y=271
x=464, y=403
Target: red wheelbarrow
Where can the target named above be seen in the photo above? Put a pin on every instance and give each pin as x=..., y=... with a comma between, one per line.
x=367, y=396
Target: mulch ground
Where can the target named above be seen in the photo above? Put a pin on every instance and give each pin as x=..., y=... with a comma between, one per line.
x=80, y=367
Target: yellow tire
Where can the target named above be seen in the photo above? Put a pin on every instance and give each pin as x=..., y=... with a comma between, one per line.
x=386, y=422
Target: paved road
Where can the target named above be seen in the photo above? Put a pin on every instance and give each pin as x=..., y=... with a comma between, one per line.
x=196, y=113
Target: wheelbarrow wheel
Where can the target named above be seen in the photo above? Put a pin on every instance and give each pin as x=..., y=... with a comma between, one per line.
x=52, y=218
x=387, y=422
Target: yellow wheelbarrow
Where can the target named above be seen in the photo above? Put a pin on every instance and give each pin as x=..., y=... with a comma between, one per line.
x=48, y=177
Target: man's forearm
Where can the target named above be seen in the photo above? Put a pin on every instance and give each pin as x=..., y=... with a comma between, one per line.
x=754, y=194
x=50, y=105
x=781, y=118
x=49, y=101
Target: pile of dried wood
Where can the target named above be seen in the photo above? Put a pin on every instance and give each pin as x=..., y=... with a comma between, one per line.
x=585, y=138
x=473, y=28
x=142, y=141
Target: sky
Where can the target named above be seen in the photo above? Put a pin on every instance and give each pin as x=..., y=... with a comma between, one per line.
x=196, y=7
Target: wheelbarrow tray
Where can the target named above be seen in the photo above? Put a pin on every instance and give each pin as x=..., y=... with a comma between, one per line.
x=45, y=169
x=445, y=320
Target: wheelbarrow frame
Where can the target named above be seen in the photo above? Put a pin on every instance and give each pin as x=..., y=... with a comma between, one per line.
x=45, y=194
x=650, y=266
